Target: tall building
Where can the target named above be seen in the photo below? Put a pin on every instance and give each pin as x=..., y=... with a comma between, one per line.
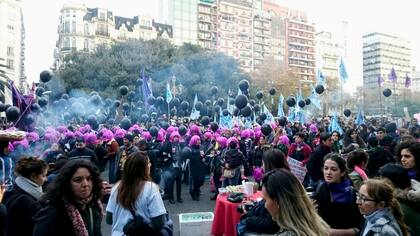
x=298, y=39
x=82, y=29
x=262, y=38
x=12, y=47
x=328, y=54
x=207, y=23
x=183, y=18
x=381, y=53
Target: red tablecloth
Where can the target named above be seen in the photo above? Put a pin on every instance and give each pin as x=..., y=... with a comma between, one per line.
x=226, y=217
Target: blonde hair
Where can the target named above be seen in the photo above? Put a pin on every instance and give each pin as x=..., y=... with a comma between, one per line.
x=296, y=211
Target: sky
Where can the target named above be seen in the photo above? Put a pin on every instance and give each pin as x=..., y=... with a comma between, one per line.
x=363, y=16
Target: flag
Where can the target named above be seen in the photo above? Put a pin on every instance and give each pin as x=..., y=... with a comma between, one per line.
x=342, y=71
x=392, y=75
x=320, y=78
x=314, y=98
x=270, y=117
x=359, y=118
x=335, y=126
x=291, y=115
x=168, y=94
x=194, y=113
x=280, y=111
x=407, y=81
x=239, y=92
x=147, y=90
x=380, y=81
x=226, y=121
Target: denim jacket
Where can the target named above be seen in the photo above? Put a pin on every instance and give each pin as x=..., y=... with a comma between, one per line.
x=381, y=223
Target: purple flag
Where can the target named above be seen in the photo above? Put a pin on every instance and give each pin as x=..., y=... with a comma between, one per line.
x=407, y=81
x=146, y=88
x=392, y=75
x=380, y=81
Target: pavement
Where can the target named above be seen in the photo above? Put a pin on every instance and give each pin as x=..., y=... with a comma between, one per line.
x=188, y=206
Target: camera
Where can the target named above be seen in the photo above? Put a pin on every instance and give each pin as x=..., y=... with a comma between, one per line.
x=245, y=207
x=310, y=191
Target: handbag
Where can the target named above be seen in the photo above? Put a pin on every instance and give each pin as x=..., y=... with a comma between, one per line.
x=228, y=173
x=137, y=226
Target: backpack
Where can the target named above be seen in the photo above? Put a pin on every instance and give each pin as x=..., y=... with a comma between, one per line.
x=137, y=226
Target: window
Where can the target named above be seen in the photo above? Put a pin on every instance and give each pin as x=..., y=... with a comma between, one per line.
x=66, y=27
x=10, y=27
x=102, y=16
x=73, y=27
x=86, y=45
x=66, y=43
x=10, y=52
x=73, y=42
x=86, y=29
x=10, y=64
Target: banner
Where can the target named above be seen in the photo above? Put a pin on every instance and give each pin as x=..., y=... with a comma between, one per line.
x=194, y=113
x=297, y=168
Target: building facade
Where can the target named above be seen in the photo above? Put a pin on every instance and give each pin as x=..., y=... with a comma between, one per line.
x=12, y=47
x=183, y=18
x=207, y=14
x=292, y=29
x=381, y=53
x=328, y=54
x=82, y=29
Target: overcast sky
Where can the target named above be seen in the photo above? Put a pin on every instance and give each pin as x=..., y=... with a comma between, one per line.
x=392, y=17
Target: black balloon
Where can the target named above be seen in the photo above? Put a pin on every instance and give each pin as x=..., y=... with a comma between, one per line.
x=291, y=101
x=263, y=116
x=182, y=130
x=95, y=100
x=387, y=92
x=301, y=104
x=220, y=101
x=125, y=123
x=205, y=120
x=144, y=117
x=252, y=102
x=225, y=112
x=236, y=111
x=184, y=105
x=12, y=113
x=347, y=112
x=283, y=121
x=259, y=95
x=217, y=108
x=126, y=106
x=266, y=129
x=28, y=119
x=160, y=100
x=34, y=108
x=131, y=96
x=42, y=101
x=151, y=100
x=164, y=125
x=231, y=101
x=45, y=76
x=272, y=91
x=123, y=90
x=243, y=85
x=175, y=102
x=39, y=91
x=214, y=90
x=214, y=126
x=2, y=107
x=257, y=108
x=117, y=103
x=198, y=105
x=139, y=82
x=308, y=101
x=246, y=111
x=241, y=101
x=153, y=131
x=319, y=89
x=65, y=96
x=208, y=103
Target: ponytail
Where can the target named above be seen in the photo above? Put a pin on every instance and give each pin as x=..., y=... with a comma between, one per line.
x=399, y=217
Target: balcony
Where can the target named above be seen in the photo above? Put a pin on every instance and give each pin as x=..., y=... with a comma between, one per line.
x=68, y=49
x=102, y=33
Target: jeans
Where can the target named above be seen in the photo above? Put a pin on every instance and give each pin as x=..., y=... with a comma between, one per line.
x=173, y=176
x=195, y=184
x=112, y=177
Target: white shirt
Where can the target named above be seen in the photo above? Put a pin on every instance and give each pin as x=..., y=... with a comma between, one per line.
x=149, y=204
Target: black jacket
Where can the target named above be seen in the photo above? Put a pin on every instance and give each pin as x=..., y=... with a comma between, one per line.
x=378, y=157
x=53, y=219
x=234, y=158
x=21, y=208
x=259, y=220
x=316, y=160
x=197, y=166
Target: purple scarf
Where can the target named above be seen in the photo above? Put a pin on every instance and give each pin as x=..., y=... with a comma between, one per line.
x=341, y=192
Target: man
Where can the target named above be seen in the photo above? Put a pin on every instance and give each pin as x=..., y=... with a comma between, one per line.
x=123, y=154
x=80, y=151
x=6, y=166
x=299, y=150
x=378, y=157
x=316, y=159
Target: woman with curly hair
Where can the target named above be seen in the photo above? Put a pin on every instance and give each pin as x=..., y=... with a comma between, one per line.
x=72, y=205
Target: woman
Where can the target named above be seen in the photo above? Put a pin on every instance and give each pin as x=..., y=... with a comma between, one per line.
x=381, y=210
x=356, y=162
x=408, y=154
x=22, y=202
x=289, y=205
x=407, y=193
x=233, y=161
x=257, y=158
x=138, y=193
x=336, y=138
x=197, y=167
x=352, y=141
x=72, y=205
x=258, y=219
x=336, y=197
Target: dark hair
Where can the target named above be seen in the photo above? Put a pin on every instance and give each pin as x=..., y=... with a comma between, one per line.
x=301, y=135
x=129, y=137
x=356, y=157
x=324, y=136
x=134, y=176
x=274, y=159
x=373, y=141
x=341, y=163
x=338, y=134
x=397, y=174
x=27, y=166
x=80, y=140
x=408, y=139
x=382, y=129
x=413, y=148
x=61, y=187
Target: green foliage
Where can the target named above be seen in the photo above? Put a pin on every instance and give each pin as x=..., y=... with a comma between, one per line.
x=107, y=68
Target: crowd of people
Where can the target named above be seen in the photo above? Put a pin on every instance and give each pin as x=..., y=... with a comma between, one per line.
x=362, y=181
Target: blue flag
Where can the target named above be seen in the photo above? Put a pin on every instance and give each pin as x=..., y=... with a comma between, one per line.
x=334, y=126
x=194, y=113
x=320, y=78
x=342, y=71
x=168, y=94
x=359, y=118
x=226, y=121
x=315, y=99
x=280, y=111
